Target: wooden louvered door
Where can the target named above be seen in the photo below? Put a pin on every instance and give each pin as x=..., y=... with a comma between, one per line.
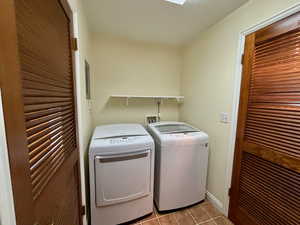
x=266, y=177
x=39, y=109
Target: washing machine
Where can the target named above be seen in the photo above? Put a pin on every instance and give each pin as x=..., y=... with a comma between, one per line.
x=121, y=166
x=180, y=164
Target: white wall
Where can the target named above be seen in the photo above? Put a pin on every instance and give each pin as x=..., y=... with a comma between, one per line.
x=121, y=66
x=208, y=82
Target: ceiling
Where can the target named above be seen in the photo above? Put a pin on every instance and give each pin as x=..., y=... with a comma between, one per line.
x=157, y=20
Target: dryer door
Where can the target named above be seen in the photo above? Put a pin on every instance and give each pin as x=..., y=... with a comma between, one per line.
x=122, y=177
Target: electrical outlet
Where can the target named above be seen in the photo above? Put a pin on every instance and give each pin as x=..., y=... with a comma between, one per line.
x=224, y=117
x=151, y=119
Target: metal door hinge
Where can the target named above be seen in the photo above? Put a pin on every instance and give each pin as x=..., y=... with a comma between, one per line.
x=243, y=59
x=74, y=44
x=229, y=191
x=83, y=211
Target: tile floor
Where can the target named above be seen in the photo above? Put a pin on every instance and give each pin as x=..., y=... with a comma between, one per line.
x=200, y=214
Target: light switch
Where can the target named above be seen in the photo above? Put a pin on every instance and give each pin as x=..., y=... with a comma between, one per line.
x=224, y=117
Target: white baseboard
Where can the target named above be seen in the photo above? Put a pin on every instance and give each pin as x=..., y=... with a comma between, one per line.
x=216, y=202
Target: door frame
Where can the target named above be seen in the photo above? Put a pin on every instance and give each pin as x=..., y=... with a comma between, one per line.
x=78, y=89
x=237, y=87
x=11, y=58
x=7, y=209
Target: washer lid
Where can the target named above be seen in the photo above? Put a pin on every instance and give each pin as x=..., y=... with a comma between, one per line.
x=175, y=128
x=119, y=130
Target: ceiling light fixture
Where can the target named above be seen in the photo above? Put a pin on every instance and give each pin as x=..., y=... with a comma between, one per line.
x=178, y=2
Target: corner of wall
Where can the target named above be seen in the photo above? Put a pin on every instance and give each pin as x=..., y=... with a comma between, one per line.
x=216, y=202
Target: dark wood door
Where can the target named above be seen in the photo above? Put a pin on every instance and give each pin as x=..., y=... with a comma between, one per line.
x=37, y=83
x=266, y=176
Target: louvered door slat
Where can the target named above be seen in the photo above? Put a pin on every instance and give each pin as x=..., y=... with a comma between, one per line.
x=46, y=117
x=58, y=81
x=45, y=86
x=47, y=125
x=42, y=113
x=270, y=117
x=38, y=107
x=284, y=58
x=43, y=161
x=273, y=123
x=58, y=161
x=271, y=43
x=292, y=137
x=39, y=147
x=276, y=127
x=45, y=99
x=38, y=126
x=39, y=175
x=37, y=86
x=48, y=99
x=273, y=144
x=275, y=113
x=35, y=81
x=30, y=68
x=41, y=157
x=268, y=193
x=47, y=162
x=31, y=73
x=40, y=93
x=49, y=136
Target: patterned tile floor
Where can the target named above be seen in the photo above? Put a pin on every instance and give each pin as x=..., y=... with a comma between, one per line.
x=201, y=214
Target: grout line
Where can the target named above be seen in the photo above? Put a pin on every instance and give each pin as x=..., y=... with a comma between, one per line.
x=191, y=214
x=206, y=221
x=215, y=222
x=156, y=217
x=207, y=213
x=158, y=221
x=144, y=221
x=156, y=214
x=209, y=220
x=176, y=220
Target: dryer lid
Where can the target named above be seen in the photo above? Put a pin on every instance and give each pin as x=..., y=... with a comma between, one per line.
x=119, y=130
x=175, y=128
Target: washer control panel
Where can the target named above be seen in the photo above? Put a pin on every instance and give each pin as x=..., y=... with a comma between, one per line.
x=120, y=140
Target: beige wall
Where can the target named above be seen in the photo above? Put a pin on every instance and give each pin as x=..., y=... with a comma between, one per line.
x=208, y=81
x=120, y=66
x=84, y=54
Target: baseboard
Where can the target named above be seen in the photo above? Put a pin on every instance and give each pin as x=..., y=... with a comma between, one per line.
x=216, y=202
